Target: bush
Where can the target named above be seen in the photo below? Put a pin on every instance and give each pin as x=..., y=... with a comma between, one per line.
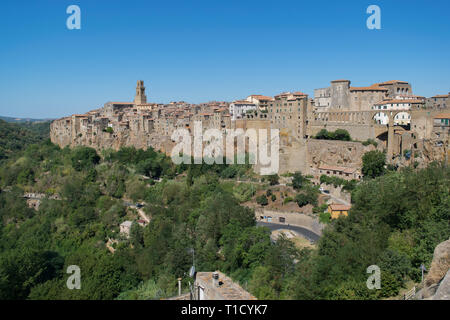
x=273, y=197
x=84, y=158
x=339, y=134
x=370, y=141
x=108, y=129
x=273, y=179
x=287, y=200
x=308, y=196
x=297, y=180
x=262, y=200
x=373, y=164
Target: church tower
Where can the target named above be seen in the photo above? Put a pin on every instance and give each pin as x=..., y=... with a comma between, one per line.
x=140, y=97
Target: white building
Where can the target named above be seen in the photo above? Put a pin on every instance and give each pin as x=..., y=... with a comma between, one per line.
x=402, y=118
x=260, y=101
x=240, y=107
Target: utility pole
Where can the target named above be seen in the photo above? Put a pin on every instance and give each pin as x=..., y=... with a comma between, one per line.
x=422, y=267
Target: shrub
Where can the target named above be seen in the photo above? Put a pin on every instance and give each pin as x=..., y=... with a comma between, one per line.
x=287, y=200
x=339, y=134
x=108, y=130
x=262, y=200
x=297, y=180
x=273, y=179
x=373, y=163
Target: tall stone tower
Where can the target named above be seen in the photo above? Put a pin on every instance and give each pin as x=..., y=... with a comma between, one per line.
x=140, y=97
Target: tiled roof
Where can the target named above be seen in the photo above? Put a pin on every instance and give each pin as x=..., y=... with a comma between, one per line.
x=340, y=80
x=339, y=207
x=228, y=290
x=336, y=168
x=371, y=88
x=393, y=81
x=398, y=101
x=445, y=115
x=243, y=102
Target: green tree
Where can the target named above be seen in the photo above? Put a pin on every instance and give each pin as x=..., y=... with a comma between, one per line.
x=262, y=200
x=373, y=163
x=274, y=179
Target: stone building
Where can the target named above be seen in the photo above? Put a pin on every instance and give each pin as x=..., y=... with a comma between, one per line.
x=142, y=124
x=402, y=118
x=341, y=96
x=136, y=123
x=262, y=102
x=217, y=286
x=288, y=113
x=239, y=108
x=440, y=101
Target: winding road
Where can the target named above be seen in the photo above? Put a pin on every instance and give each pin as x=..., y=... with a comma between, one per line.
x=308, y=234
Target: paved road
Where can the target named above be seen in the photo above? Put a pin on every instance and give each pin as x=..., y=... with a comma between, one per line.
x=308, y=234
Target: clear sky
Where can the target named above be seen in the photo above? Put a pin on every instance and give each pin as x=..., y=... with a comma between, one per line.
x=199, y=51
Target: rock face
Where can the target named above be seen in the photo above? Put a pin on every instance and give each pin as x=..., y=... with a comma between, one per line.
x=339, y=153
x=443, y=291
x=437, y=282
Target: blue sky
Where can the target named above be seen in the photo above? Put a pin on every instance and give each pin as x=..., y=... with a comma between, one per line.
x=199, y=51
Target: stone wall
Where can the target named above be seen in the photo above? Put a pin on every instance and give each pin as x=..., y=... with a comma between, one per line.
x=337, y=153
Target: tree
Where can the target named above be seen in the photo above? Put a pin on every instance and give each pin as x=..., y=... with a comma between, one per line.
x=262, y=200
x=297, y=180
x=342, y=134
x=373, y=163
x=84, y=158
x=274, y=179
x=301, y=199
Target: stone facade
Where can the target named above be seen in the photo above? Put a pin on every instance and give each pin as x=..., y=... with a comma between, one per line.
x=340, y=106
x=137, y=123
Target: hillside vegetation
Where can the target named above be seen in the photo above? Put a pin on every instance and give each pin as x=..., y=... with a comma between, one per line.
x=14, y=136
x=396, y=221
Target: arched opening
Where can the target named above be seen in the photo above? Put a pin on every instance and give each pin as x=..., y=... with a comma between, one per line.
x=402, y=119
x=381, y=118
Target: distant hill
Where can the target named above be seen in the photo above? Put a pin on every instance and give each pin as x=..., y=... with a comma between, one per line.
x=16, y=136
x=21, y=120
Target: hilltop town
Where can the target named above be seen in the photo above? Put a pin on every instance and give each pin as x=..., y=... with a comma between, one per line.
x=386, y=113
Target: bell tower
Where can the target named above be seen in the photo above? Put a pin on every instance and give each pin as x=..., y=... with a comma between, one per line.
x=140, y=97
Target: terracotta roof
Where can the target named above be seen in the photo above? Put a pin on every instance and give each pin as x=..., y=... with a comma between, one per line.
x=228, y=289
x=243, y=102
x=445, y=115
x=340, y=80
x=393, y=81
x=440, y=96
x=371, y=88
x=336, y=168
x=398, y=101
x=261, y=97
x=339, y=207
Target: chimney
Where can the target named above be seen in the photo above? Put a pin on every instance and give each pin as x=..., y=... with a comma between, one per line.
x=215, y=277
